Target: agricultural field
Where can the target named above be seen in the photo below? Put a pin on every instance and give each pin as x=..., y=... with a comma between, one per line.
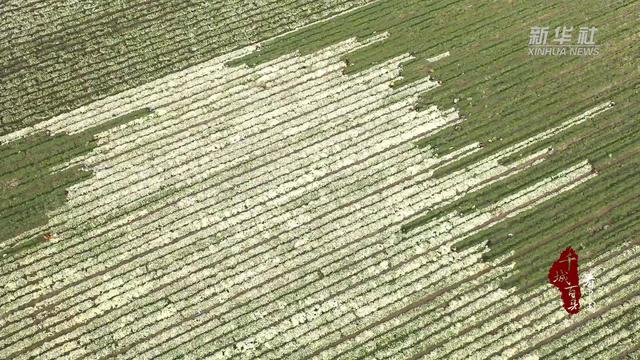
x=337, y=179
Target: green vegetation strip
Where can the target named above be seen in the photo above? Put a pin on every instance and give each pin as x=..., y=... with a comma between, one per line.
x=30, y=187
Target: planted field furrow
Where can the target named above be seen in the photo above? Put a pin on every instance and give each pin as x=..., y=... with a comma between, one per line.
x=553, y=326
x=626, y=298
x=519, y=146
x=609, y=265
x=201, y=122
x=591, y=341
x=624, y=346
x=78, y=204
x=269, y=147
x=472, y=347
x=534, y=304
x=507, y=301
x=11, y=14
x=188, y=54
x=313, y=311
x=49, y=37
x=101, y=24
x=612, y=346
x=437, y=326
x=613, y=267
x=482, y=216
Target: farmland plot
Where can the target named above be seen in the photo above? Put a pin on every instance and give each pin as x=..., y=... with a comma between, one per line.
x=288, y=199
